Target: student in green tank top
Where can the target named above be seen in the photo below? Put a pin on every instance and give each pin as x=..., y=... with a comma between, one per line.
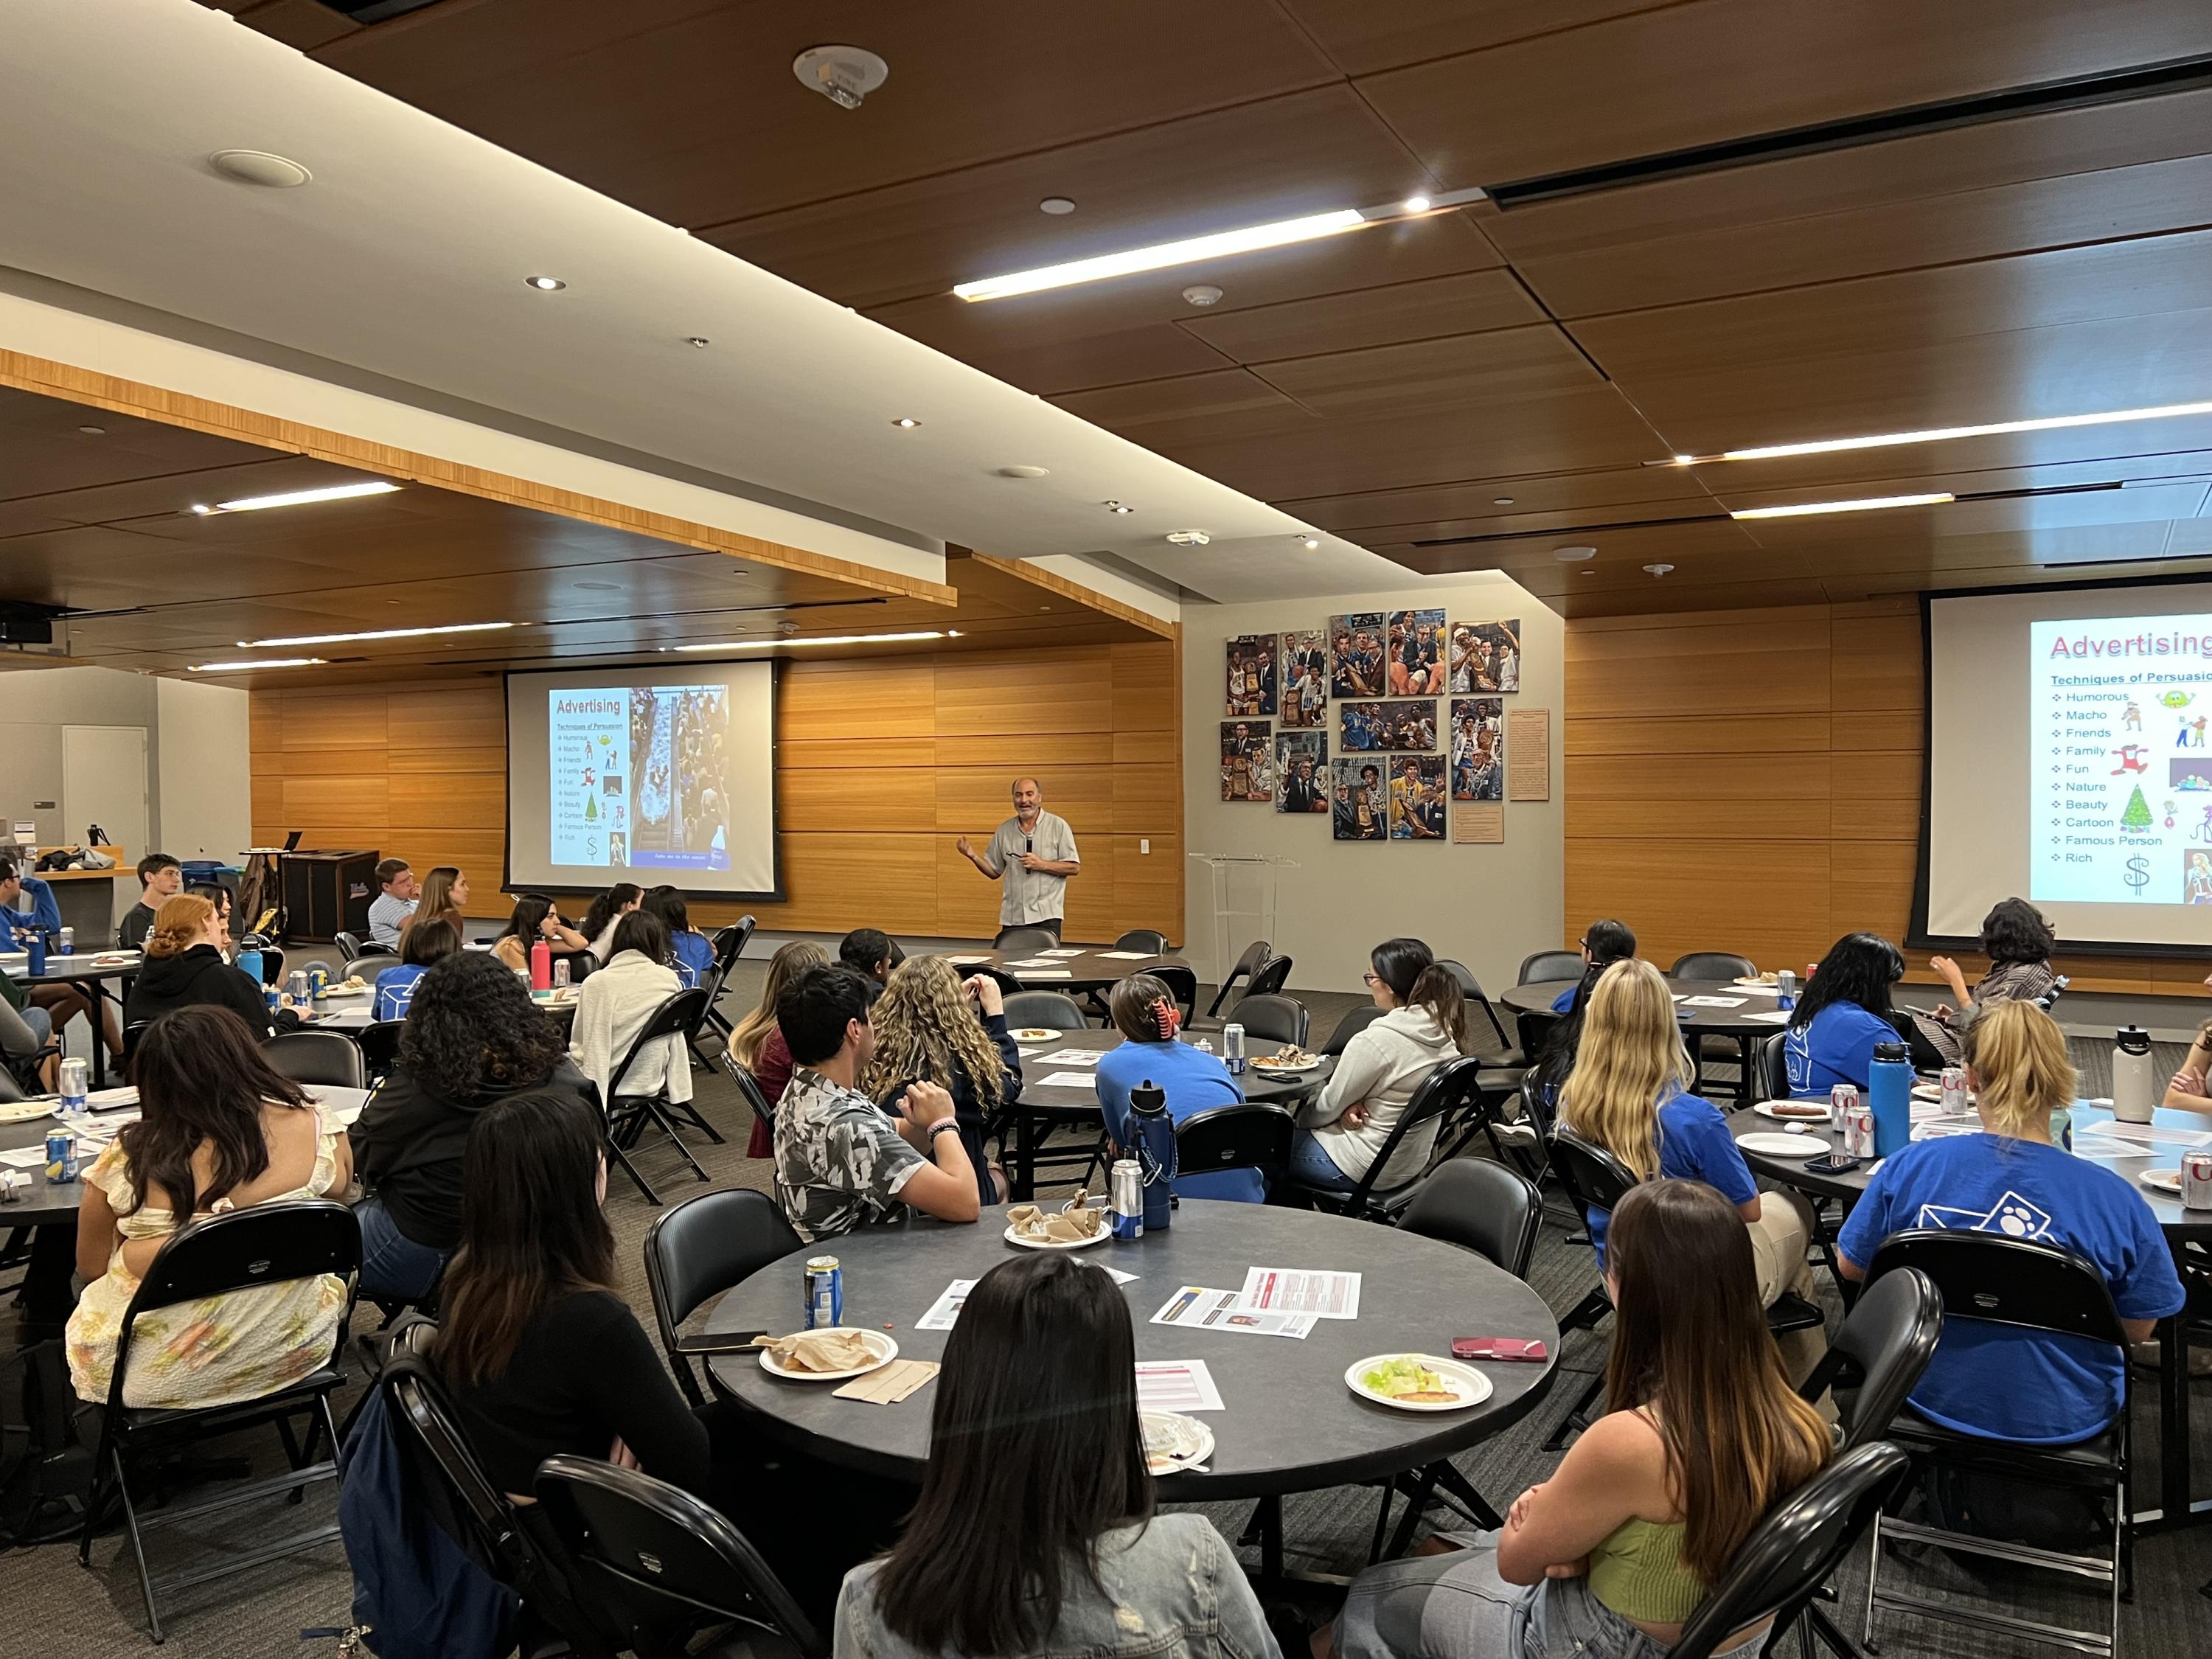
x=1611, y=1556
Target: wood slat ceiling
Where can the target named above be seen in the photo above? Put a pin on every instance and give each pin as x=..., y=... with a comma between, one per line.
x=1470, y=389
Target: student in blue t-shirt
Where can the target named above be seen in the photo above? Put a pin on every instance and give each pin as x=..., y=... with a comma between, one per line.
x=425, y=943
x=1629, y=1093
x=1603, y=943
x=692, y=953
x=1998, y=1381
x=1145, y=1014
x=1844, y=1010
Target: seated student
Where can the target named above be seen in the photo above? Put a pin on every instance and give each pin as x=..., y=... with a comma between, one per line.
x=872, y=952
x=841, y=1163
x=1842, y=1012
x=161, y=878
x=1993, y=1380
x=1610, y=1556
x=445, y=893
x=1603, y=943
x=427, y=943
x=187, y=964
x=691, y=953
x=1035, y=1531
x=394, y=903
x=610, y=908
x=1629, y=1093
x=1342, y=1130
x=534, y=918
x=1144, y=1012
x=220, y=1130
x=472, y=1039
x=46, y=1009
x=758, y=1045
x=613, y=1005
x=931, y=1027
x=2018, y=941
x=215, y=893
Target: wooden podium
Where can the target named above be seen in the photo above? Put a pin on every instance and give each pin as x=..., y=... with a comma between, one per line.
x=323, y=894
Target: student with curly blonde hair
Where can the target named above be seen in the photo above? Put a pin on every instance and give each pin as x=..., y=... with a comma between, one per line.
x=933, y=1027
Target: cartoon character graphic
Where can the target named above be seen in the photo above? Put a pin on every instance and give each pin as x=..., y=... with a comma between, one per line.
x=2131, y=716
x=2131, y=759
x=2177, y=699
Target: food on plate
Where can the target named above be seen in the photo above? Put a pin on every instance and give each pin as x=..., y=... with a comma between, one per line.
x=1290, y=1054
x=1757, y=979
x=1406, y=1378
x=1078, y=1222
x=1804, y=1110
x=819, y=1351
x=344, y=988
x=1034, y=1034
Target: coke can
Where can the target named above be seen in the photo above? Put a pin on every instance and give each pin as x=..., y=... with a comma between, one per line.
x=561, y=973
x=75, y=1078
x=1952, y=1101
x=1843, y=1100
x=2196, y=1181
x=1858, y=1132
x=825, y=1293
x=61, y=1157
x=1232, y=1046
x=1125, y=1206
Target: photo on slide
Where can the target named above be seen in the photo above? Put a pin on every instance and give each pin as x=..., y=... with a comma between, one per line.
x=2194, y=775
x=1251, y=675
x=1305, y=679
x=1478, y=749
x=1368, y=726
x=1355, y=644
x=1485, y=656
x=2195, y=877
x=1248, y=771
x=1417, y=797
x=1357, y=801
x=1300, y=772
x=678, y=814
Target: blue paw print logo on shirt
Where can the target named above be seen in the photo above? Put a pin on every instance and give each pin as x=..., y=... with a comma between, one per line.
x=2011, y=1215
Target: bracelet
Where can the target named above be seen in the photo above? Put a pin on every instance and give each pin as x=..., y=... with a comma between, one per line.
x=941, y=1126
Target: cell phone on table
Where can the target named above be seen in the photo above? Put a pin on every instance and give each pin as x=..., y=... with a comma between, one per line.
x=719, y=1342
x=1831, y=1163
x=1499, y=1347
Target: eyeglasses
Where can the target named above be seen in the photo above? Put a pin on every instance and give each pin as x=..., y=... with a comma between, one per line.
x=1372, y=980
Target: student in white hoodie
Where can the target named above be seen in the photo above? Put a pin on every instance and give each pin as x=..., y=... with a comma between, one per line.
x=1424, y=1024
x=613, y=1005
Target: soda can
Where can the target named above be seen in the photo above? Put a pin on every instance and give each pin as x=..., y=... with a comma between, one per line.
x=1843, y=1100
x=1232, y=1046
x=318, y=979
x=1126, y=1199
x=2196, y=1181
x=75, y=1078
x=1951, y=1100
x=61, y=1157
x=274, y=997
x=1785, y=981
x=295, y=987
x=561, y=974
x=69, y=941
x=1858, y=1132
x=825, y=1293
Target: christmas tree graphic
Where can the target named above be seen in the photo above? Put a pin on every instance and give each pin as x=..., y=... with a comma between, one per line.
x=2138, y=817
x=591, y=809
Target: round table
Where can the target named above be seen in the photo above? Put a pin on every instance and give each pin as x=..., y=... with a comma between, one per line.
x=89, y=971
x=1289, y=1423
x=1091, y=969
x=1737, y=1020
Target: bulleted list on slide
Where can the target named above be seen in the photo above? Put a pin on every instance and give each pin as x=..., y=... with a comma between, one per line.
x=2122, y=798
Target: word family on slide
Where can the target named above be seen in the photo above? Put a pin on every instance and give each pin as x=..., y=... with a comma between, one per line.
x=2123, y=797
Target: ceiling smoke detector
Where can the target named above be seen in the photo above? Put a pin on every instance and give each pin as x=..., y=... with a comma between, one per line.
x=1658, y=569
x=843, y=75
x=1056, y=205
x=1024, y=472
x=1201, y=294
x=1573, y=554
x=259, y=166
x=1188, y=538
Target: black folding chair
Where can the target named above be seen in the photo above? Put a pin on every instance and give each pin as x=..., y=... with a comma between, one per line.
x=1508, y=1061
x=1150, y=940
x=1250, y=1135
x=1053, y=1010
x=380, y=1046
x=1448, y=1097
x=369, y=963
x=1269, y=1016
x=1355, y=1021
x=330, y=1058
x=1708, y=1051
x=701, y=1249
x=1255, y=953
x=1774, y=1066
x=1540, y=967
x=242, y=1250
x=1024, y=941
x=350, y=944
x=1182, y=981
x=1268, y=979
x=729, y=942
x=626, y=1115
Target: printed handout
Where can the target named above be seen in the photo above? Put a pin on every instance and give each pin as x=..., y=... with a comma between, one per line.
x=1072, y=1057
x=1076, y=950
x=1127, y=955
x=1770, y=1017
x=945, y=1313
x=1713, y=1002
x=1069, y=1079
x=1194, y=1308
x=1302, y=1290
x=1176, y=1385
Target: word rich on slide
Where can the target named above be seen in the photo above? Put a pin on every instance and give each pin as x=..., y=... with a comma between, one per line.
x=2119, y=709
x=634, y=776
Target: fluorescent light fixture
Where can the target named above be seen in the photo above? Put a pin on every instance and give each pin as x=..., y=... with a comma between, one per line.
x=378, y=633
x=1944, y=434
x=820, y=638
x=1864, y=504
x=1163, y=254
x=301, y=497
x=265, y=662
x=1415, y=204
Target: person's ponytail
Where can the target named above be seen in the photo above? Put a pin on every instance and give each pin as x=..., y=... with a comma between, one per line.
x=1438, y=990
x=177, y=926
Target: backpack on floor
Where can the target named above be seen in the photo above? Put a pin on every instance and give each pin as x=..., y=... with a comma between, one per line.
x=46, y=1470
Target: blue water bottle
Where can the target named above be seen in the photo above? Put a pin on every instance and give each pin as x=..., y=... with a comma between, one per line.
x=1153, y=1131
x=1889, y=1093
x=35, y=946
x=249, y=956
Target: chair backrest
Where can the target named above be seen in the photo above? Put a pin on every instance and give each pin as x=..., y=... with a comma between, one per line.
x=1797, y=1548
x=729, y=942
x=368, y=964
x=701, y=1249
x=1875, y=1358
x=1713, y=965
x=1148, y=939
x=1539, y=967
x=1050, y=1010
x=1268, y=979
x=1355, y=1021
x=661, y=1564
x=672, y=1018
x=1182, y=981
x=1774, y=1066
x=756, y=1096
x=2002, y=1280
x=1255, y=953
x=327, y=1057
x=1454, y=1086
x=1273, y=1019
x=350, y=944
x=379, y=1045
x=1022, y=941
x=1471, y=988
x=1598, y=1178
x=1249, y=1136
x=131, y=1033
x=1480, y=1205
x=1536, y=1105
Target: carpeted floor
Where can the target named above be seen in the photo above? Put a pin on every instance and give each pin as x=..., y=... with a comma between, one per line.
x=48, y=1605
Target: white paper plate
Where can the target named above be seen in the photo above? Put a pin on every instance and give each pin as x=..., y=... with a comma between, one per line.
x=2165, y=1180
x=1035, y=1034
x=26, y=1111
x=1103, y=1233
x=1472, y=1386
x=1816, y=1112
x=880, y=1342
x=1287, y=1071
x=1173, y=1441
x=1781, y=1146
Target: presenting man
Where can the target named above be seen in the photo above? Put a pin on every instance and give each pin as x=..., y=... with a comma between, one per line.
x=1035, y=852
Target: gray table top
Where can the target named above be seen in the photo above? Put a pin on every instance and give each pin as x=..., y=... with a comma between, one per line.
x=82, y=965
x=1537, y=998
x=1088, y=969
x=1066, y=1097
x=1291, y=1424
x=354, y=1010
x=2180, y=1225
x=45, y=1200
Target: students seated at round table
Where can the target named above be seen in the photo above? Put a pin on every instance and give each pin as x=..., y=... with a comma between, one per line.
x=472, y=1039
x=932, y=1027
x=1342, y=1130
x=1702, y=1437
x=220, y=1130
x=1603, y=943
x=690, y=953
x=215, y=893
x=1998, y=1381
x=2017, y=940
x=444, y=890
x=1035, y=1531
x=1843, y=1011
x=613, y=1006
x=47, y=1009
x=608, y=908
x=1630, y=1093
x=425, y=944
x=1144, y=1012
x=187, y=964
x=758, y=1045
x=534, y=917
x=872, y=952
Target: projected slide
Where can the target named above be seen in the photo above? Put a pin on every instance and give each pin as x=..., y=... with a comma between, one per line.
x=2119, y=709
x=638, y=776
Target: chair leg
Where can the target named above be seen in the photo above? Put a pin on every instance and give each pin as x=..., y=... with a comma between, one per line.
x=667, y=1126
x=1873, y=1572
x=1474, y=1504
x=95, y=1500
x=1577, y=1419
x=614, y=1150
x=137, y=1544
x=690, y=1114
x=1381, y=1523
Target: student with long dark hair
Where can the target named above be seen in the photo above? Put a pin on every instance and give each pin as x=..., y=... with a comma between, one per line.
x=1841, y=1014
x=534, y=918
x=2018, y=941
x=445, y=893
x=1035, y=1530
x=690, y=953
x=219, y=1129
x=1341, y=1132
x=610, y=908
x=1702, y=1437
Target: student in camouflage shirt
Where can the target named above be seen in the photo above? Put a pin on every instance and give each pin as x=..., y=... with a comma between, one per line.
x=840, y=1161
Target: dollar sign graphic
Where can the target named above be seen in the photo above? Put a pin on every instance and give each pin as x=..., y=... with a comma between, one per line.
x=2138, y=875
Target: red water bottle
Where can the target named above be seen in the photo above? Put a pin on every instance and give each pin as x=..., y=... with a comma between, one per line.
x=541, y=965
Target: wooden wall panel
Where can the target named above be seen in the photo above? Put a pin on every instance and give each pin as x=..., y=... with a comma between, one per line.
x=880, y=765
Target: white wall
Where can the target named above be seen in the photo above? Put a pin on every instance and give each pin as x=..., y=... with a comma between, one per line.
x=204, y=792
x=1488, y=906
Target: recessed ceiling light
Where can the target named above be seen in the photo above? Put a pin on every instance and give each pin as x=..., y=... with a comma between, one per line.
x=94, y=431
x=1309, y=542
x=1189, y=538
x=820, y=638
x=1415, y=204
x=1116, y=506
x=906, y=423
x=259, y=166
x=1501, y=500
x=1686, y=460
x=1945, y=434
x=1056, y=204
x=1024, y=472
x=1863, y=504
x=545, y=284
x=697, y=342
x=1573, y=554
x=378, y=633
x=1161, y=255
x=1201, y=294
x=302, y=497
x=1658, y=569
x=265, y=662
